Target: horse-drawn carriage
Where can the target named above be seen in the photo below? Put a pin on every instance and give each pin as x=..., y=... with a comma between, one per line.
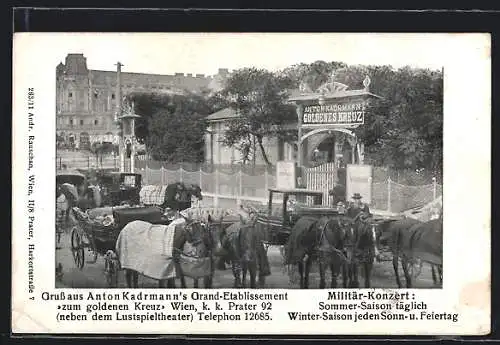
x=118, y=188
x=285, y=207
x=99, y=229
x=103, y=235
x=68, y=189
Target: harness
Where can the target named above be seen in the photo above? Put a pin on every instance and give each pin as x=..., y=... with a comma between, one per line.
x=357, y=254
x=332, y=247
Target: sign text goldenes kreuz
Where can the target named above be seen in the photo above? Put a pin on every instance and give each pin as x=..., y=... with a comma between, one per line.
x=335, y=114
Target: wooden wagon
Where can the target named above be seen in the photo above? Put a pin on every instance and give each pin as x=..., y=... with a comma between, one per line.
x=100, y=239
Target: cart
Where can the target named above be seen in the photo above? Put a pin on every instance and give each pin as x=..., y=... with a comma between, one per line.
x=118, y=188
x=100, y=239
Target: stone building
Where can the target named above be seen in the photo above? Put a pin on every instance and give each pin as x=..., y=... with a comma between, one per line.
x=86, y=99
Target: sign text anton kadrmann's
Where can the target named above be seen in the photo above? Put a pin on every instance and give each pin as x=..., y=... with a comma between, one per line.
x=352, y=113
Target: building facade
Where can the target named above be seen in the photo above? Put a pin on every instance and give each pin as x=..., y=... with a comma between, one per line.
x=218, y=153
x=86, y=99
x=321, y=148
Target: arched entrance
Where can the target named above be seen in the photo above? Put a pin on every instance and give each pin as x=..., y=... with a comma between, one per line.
x=331, y=145
x=326, y=120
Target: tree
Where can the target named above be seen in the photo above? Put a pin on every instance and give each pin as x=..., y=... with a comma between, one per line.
x=172, y=126
x=402, y=130
x=259, y=97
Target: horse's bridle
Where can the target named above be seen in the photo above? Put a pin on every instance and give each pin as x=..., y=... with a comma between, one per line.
x=359, y=221
x=323, y=236
x=188, y=228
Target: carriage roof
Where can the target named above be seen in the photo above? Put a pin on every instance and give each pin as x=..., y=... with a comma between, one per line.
x=71, y=176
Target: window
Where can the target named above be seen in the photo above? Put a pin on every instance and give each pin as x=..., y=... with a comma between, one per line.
x=112, y=96
x=96, y=94
x=71, y=122
x=96, y=122
x=81, y=122
x=70, y=94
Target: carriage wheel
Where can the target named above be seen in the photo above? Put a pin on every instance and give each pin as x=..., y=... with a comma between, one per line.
x=58, y=237
x=77, y=248
x=93, y=250
x=111, y=272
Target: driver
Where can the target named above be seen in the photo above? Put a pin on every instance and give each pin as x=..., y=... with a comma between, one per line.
x=357, y=207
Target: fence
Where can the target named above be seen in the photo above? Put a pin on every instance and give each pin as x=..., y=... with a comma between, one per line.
x=223, y=189
x=84, y=160
x=227, y=185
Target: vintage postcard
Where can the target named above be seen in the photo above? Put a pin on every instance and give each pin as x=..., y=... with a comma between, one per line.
x=251, y=183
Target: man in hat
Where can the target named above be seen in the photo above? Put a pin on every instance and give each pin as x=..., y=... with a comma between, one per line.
x=357, y=206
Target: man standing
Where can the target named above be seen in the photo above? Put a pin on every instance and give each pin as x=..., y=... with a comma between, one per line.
x=357, y=207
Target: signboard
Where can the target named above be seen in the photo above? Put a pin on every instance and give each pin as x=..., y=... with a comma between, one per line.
x=352, y=113
x=285, y=174
x=359, y=180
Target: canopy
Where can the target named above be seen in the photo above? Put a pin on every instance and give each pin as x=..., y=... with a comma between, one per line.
x=69, y=189
x=70, y=176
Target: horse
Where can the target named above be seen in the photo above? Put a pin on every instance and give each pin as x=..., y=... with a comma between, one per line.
x=244, y=249
x=206, y=243
x=183, y=233
x=362, y=250
x=66, y=199
x=320, y=239
x=178, y=196
x=410, y=239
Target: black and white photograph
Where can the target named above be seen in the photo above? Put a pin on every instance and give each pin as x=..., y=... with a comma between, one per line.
x=312, y=170
x=251, y=183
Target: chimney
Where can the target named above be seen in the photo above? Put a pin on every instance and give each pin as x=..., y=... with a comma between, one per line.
x=200, y=76
x=179, y=74
x=189, y=74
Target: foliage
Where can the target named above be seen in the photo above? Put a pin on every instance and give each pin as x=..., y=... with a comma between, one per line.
x=402, y=130
x=172, y=126
x=259, y=97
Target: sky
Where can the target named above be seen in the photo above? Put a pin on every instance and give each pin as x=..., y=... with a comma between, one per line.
x=205, y=53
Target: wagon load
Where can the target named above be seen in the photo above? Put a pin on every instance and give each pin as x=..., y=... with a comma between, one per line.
x=152, y=195
x=427, y=212
x=148, y=248
x=203, y=213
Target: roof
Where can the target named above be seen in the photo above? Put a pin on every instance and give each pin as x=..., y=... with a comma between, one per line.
x=69, y=173
x=226, y=113
x=298, y=96
x=296, y=191
x=135, y=80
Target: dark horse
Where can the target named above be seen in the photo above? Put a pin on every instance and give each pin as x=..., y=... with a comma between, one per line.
x=206, y=241
x=183, y=233
x=178, y=196
x=362, y=250
x=321, y=239
x=242, y=243
x=410, y=239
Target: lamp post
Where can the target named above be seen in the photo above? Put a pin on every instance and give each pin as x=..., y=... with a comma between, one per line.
x=128, y=136
x=118, y=113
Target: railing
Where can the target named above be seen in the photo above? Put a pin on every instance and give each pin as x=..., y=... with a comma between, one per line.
x=229, y=189
x=227, y=186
